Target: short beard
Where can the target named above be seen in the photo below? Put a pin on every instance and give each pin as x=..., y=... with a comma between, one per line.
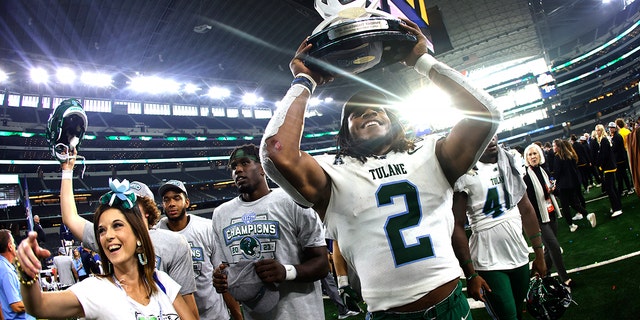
x=371, y=146
x=178, y=217
x=245, y=189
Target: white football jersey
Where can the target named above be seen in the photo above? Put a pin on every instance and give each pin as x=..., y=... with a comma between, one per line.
x=393, y=221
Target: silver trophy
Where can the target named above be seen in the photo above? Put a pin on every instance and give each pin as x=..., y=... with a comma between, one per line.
x=355, y=37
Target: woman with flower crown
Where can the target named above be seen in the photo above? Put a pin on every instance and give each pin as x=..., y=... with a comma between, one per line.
x=131, y=287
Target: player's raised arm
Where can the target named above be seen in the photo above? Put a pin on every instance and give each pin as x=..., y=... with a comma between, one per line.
x=69, y=211
x=294, y=170
x=469, y=137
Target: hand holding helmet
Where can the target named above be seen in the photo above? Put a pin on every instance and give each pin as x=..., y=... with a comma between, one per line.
x=66, y=128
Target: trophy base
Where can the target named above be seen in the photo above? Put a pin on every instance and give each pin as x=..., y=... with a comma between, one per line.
x=359, y=45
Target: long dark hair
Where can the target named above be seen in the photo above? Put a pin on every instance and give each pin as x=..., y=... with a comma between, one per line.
x=397, y=137
x=135, y=219
x=565, y=150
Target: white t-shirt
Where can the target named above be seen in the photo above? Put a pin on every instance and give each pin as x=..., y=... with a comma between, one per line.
x=272, y=227
x=102, y=299
x=64, y=264
x=200, y=236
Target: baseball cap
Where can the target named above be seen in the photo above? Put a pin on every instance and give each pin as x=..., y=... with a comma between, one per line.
x=612, y=125
x=172, y=185
x=246, y=286
x=61, y=250
x=583, y=138
x=141, y=189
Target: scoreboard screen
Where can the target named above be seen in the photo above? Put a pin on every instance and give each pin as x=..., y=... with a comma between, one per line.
x=414, y=10
x=10, y=191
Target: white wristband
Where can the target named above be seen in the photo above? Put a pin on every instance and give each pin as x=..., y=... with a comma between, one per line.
x=310, y=78
x=67, y=174
x=292, y=273
x=343, y=281
x=424, y=64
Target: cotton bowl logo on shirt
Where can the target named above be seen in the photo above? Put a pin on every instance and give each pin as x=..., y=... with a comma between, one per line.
x=252, y=236
x=248, y=217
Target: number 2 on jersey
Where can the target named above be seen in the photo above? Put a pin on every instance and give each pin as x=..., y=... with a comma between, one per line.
x=402, y=253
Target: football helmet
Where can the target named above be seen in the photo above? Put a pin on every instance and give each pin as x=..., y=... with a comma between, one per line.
x=65, y=128
x=547, y=298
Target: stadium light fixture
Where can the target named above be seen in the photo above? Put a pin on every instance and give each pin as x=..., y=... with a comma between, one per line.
x=3, y=76
x=251, y=99
x=413, y=111
x=190, y=88
x=39, y=75
x=154, y=85
x=65, y=75
x=218, y=93
x=96, y=79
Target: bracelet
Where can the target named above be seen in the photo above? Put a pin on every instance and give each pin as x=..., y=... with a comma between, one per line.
x=466, y=262
x=305, y=80
x=540, y=246
x=292, y=273
x=67, y=174
x=473, y=275
x=535, y=235
x=22, y=276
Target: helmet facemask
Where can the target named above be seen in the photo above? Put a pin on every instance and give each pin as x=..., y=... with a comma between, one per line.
x=66, y=128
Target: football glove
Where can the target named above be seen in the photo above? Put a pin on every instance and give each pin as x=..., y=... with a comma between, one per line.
x=350, y=298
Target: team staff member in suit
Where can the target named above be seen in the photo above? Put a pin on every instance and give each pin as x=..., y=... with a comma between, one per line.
x=297, y=255
x=492, y=197
x=37, y=227
x=200, y=235
x=173, y=254
x=375, y=195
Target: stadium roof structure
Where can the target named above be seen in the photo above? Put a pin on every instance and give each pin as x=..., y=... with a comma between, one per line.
x=251, y=42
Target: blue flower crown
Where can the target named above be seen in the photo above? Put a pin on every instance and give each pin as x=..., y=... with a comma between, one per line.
x=120, y=195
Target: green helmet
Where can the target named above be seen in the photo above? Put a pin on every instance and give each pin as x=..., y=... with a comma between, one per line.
x=250, y=247
x=65, y=128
